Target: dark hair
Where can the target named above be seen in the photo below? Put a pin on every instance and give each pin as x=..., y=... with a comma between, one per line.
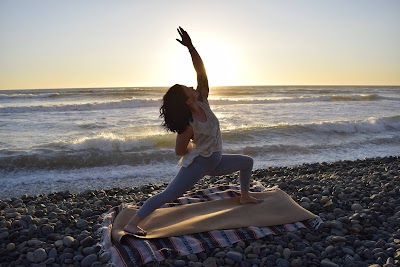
x=174, y=110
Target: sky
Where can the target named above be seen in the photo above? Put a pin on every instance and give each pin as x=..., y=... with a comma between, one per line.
x=98, y=43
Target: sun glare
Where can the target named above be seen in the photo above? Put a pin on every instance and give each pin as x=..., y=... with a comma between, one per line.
x=221, y=65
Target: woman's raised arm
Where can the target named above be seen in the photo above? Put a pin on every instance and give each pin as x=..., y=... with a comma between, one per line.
x=202, y=80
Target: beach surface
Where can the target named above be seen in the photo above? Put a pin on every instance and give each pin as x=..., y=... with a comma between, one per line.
x=359, y=202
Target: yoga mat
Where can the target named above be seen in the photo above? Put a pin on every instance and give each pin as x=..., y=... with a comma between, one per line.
x=277, y=208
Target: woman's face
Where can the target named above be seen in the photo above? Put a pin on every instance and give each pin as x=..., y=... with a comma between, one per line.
x=190, y=93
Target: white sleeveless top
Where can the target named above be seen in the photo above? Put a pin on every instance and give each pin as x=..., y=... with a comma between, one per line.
x=206, y=137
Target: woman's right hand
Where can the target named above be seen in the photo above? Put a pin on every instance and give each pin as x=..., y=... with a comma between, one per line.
x=186, y=41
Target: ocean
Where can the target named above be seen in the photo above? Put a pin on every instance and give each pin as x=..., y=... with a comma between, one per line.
x=77, y=139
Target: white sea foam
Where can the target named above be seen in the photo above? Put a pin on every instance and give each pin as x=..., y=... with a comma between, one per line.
x=27, y=96
x=122, y=104
x=110, y=142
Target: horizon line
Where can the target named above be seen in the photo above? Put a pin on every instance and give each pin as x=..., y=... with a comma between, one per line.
x=166, y=86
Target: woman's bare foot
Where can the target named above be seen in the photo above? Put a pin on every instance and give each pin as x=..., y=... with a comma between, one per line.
x=134, y=229
x=245, y=199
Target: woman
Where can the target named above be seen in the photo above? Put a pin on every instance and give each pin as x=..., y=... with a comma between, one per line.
x=186, y=111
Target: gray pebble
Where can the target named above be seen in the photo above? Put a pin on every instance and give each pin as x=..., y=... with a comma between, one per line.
x=78, y=258
x=89, y=260
x=4, y=235
x=294, y=236
x=356, y=207
x=47, y=229
x=282, y=263
x=10, y=247
x=348, y=251
x=235, y=256
x=339, y=239
x=349, y=260
x=68, y=241
x=40, y=255
x=179, y=263
x=229, y=261
x=52, y=253
x=105, y=257
x=88, y=250
x=88, y=241
x=328, y=263
x=286, y=253
x=220, y=254
x=81, y=224
x=369, y=244
x=30, y=257
x=65, y=256
x=192, y=257
x=210, y=262
x=296, y=263
x=58, y=243
x=49, y=261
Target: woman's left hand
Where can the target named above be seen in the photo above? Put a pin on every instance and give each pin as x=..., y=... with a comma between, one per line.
x=186, y=41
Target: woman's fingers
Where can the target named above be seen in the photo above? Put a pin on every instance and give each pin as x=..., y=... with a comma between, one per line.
x=185, y=37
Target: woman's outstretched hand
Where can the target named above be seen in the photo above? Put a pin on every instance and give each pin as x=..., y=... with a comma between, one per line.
x=186, y=41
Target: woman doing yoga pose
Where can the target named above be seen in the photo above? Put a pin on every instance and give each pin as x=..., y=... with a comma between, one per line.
x=187, y=112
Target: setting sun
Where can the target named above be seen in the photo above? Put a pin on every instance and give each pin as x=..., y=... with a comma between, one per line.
x=221, y=64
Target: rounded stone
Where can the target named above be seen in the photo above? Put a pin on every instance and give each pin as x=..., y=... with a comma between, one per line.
x=234, y=255
x=105, y=257
x=86, y=213
x=65, y=256
x=328, y=263
x=339, y=239
x=89, y=260
x=68, y=241
x=179, y=263
x=4, y=235
x=88, y=250
x=220, y=254
x=282, y=263
x=78, y=258
x=47, y=229
x=192, y=257
x=369, y=243
x=87, y=241
x=10, y=247
x=59, y=243
x=30, y=257
x=52, y=253
x=32, y=229
x=210, y=262
x=81, y=224
x=286, y=253
x=49, y=261
x=330, y=249
x=356, y=207
x=296, y=263
x=40, y=255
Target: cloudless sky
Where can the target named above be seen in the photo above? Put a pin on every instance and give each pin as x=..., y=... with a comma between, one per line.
x=98, y=43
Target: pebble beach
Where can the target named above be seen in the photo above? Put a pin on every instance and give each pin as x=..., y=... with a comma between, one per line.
x=359, y=202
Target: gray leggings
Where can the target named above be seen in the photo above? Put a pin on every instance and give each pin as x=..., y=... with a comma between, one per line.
x=216, y=164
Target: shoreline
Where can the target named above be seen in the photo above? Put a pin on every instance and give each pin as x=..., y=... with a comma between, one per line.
x=358, y=200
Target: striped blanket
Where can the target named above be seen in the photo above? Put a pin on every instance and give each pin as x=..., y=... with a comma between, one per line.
x=132, y=251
